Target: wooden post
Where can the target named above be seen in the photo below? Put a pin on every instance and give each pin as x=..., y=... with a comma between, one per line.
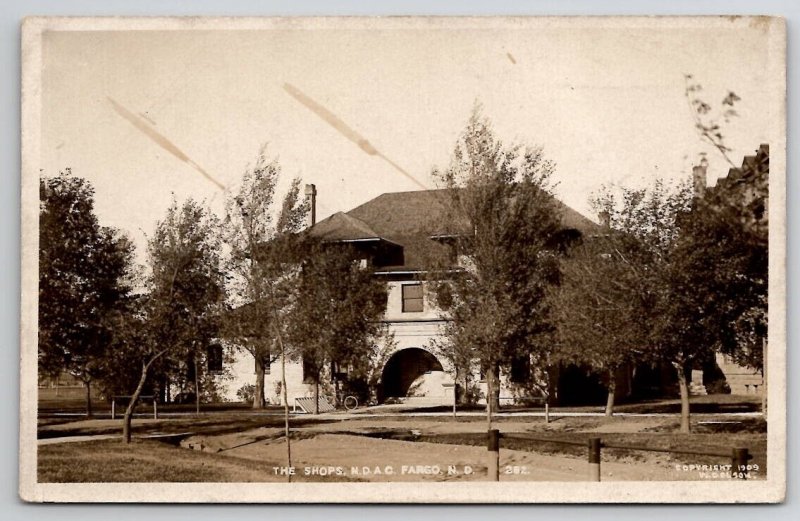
x=155, y=408
x=113, y=408
x=455, y=394
x=594, y=459
x=493, y=468
x=739, y=459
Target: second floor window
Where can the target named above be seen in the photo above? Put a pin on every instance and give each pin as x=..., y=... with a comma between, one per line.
x=412, y=298
x=214, y=358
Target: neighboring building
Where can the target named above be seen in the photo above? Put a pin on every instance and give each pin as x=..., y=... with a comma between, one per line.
x=394, y=234
x=746, y=188
x=740, y=380
x=63, y=386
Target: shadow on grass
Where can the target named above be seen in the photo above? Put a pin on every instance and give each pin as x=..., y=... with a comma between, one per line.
x=710, y=404
x=203, y=425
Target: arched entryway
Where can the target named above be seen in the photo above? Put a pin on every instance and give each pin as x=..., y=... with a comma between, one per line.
x=580, y=385
x=405, y=372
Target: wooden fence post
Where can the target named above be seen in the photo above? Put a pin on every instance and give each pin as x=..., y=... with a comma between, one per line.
x=494, y=455
x=739, y=460
x=594, y=459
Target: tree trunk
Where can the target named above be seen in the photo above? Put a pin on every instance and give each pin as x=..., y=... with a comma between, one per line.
x=282, y=347
x=163, y=392
x=316, y=395
x=491, y=406
x=464, y=398
x=493, y=376
x=258, y=396
x=196, y=387
x=612, y=389
x=684, y=389
x=126, y=422
x=455, y=393
x=338, y=399
x=88, y=384
x=286, y=412
x=496, y=394
x=547, y=395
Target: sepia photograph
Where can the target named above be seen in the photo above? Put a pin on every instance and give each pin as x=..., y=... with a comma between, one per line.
x=403, y=260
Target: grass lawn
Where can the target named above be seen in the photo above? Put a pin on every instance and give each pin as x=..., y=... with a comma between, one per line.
x=148, y=461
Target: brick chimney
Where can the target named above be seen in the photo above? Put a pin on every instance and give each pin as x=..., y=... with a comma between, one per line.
x=699, y=178
x=311, y=196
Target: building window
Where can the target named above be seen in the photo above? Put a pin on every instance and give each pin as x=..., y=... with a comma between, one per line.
x=214, y=358
x=412, y=298
x=520, y=370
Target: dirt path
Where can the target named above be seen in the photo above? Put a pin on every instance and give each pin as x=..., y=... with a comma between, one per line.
x=375, y=459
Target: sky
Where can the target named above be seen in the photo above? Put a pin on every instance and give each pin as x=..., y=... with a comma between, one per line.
x=360, y=108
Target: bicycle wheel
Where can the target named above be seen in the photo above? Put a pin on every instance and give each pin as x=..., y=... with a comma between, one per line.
x=350, y=403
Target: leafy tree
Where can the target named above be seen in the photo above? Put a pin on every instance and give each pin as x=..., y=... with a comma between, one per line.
x=262, y=242
x=337, y=312
x=698, y=278
x=501, y=220
x=732, y=222
x=601, y=308
x=719, y=280
x=179, y=315
x=263, y=266
x=653, y=218
x=85, y=276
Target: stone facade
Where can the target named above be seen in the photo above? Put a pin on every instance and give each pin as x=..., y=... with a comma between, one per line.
x=741, y=380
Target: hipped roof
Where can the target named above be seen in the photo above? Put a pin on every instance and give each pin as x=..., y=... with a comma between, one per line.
x=410, y=219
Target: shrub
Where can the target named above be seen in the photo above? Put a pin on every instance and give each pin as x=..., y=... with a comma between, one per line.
x=718, y=386
x=246, y=393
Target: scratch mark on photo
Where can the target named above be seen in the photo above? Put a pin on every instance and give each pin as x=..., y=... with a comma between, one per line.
x=334, y=121
x=160, y=140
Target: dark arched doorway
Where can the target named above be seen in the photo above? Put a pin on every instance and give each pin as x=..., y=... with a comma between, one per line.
x=404, y=368
x=579, y=385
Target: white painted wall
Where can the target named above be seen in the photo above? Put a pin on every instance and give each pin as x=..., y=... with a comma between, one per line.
x=408, y=329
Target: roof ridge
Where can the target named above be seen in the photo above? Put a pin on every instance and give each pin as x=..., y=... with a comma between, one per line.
x=340, y=220
x=359, y=222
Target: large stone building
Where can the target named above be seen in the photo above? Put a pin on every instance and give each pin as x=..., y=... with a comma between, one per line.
x=393, y=235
